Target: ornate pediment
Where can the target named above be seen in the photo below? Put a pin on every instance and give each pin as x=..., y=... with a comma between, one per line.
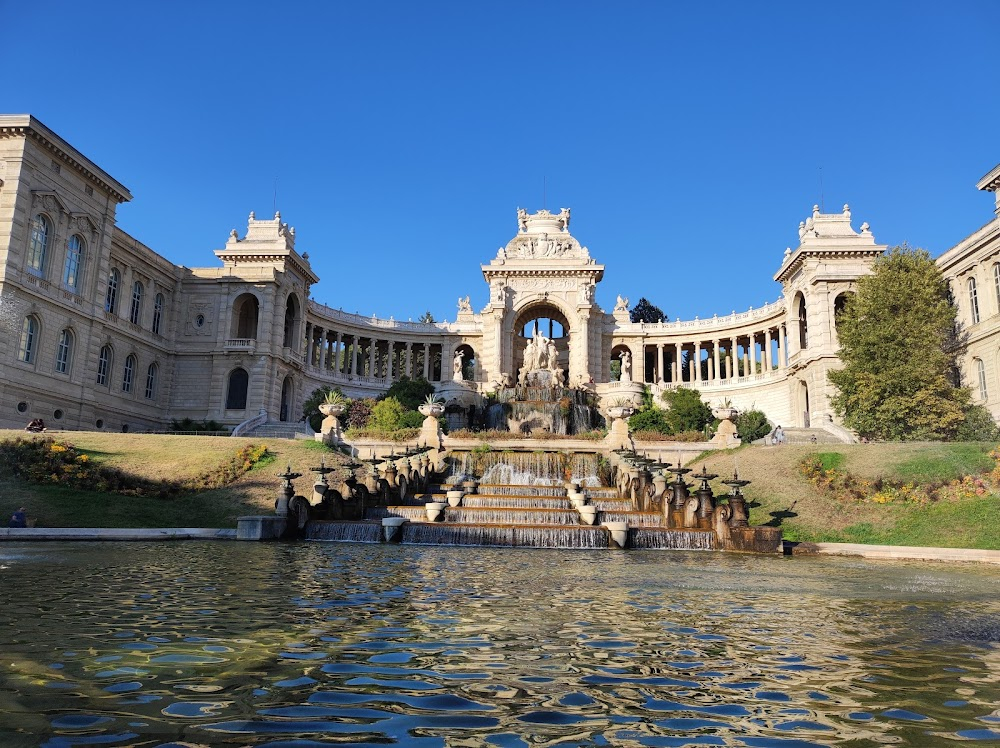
x=49, y=201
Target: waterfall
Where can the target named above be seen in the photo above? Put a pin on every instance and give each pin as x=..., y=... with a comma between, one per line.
x=513, y=516
x=524, y=468
x=503, y=535
x=492, y=489
x=634, y=519
x=345, y=532
x=555, y=410
x=514, y=502
x=663, y=539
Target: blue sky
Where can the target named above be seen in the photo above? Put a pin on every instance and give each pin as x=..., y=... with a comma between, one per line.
x=688, y=139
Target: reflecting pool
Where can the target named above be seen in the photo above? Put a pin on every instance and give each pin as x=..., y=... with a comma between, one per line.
x=205, y=644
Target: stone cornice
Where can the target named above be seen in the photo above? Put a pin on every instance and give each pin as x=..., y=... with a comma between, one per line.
x=595, y=272
x=24, y=125
x=991, y=181
x=799, y=256
x=239, y=257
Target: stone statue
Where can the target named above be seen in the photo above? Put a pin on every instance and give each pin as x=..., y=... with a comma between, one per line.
x=626, y=358
x=464, y=305
x=622, y=304
x=551, y=354
x=531, y=355
x=522, y=219
x=564, y=219
x=456, y=366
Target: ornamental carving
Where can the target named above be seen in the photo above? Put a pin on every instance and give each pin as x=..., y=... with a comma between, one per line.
x=543, y=246
x=544, y=284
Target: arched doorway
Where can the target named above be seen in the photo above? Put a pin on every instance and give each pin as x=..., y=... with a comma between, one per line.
x=468, y=368
x=284, y=413
x=246, y=311
x=620, y=365
x=291, y=323
x=534, y=328
x=800, y=313
x=236, y=392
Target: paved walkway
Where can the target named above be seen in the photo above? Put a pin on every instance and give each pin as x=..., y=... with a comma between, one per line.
x=897, y=552
x=115, y=533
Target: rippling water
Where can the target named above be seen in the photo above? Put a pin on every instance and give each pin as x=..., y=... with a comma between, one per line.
x=204, y=644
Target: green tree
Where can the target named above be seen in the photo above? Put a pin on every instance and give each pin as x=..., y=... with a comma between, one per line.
x=410, y=392
x=686, y=411
x=752, y=425
x=427, y=317
x=386, y=414
x=897, y=345
x=645, y=311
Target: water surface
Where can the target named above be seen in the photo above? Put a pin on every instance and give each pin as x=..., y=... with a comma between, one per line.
x=212, y=643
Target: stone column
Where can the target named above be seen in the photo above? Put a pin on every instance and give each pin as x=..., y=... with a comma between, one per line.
x=715, y=359
x=733, y=369
x=678, y=361
x=783, y=346
x=753, y=353
x=338, y=347
x=697, y=363
x=409, y=360
x=659, y=364
x=354, y=355
x=427, y=361
x=746, y=355
x=324, y=349
x=767, y=349
x=309, y=345
x=389, y=368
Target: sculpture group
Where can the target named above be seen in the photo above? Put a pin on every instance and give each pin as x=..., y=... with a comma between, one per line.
x=541, y=363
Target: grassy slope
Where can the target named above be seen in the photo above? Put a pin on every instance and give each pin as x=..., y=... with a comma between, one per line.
x=162, y=456
x=783, y=495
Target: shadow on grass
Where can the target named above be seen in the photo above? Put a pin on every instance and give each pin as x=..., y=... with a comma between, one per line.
x=781, y=515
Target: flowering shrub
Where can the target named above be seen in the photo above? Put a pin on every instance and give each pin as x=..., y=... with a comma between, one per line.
x=47, y=461
x=843, y=485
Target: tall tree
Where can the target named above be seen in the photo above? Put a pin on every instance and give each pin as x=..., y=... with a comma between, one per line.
x=427, y=317
x=897, y=344
x=645, y=311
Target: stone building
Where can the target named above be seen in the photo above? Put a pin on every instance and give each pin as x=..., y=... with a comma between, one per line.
x=101, y=332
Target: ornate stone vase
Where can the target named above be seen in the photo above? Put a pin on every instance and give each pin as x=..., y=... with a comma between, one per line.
x=435, y=410
x=336, y=410
x=620, y=411
x=725, y=414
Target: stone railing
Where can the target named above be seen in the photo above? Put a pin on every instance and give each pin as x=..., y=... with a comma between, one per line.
x=241, y=344
x=251, y=423
x=768, y=311
x=324, y=312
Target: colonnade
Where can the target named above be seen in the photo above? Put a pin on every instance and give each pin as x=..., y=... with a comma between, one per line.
x=351, y=355
x=721, y=357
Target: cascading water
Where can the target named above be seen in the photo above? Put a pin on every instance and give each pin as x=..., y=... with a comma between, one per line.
x=554, y=410
x=524, y=468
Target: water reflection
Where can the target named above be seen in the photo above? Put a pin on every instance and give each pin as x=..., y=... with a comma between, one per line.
x=253, y=644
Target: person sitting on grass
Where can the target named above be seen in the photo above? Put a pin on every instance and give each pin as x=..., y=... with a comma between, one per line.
x=19, y=518
x=35, y=426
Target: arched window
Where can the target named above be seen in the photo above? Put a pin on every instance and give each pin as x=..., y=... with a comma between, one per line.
x=104, y=365
x=981, y=373
x=151, y=382
x=973, y=301
x=128, y=375
x=74, y=259
x=135, y=312
x=111, y=299
x=157, y=313
x=26, y=345
x=64, y=352
x=38, y=244
x=236, y=394
x=996, y=282
x=291, y=323
x=803, y=322
x=245, y=313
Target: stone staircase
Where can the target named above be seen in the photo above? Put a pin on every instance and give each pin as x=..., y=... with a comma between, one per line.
x=810, y=436
x=281, y=430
